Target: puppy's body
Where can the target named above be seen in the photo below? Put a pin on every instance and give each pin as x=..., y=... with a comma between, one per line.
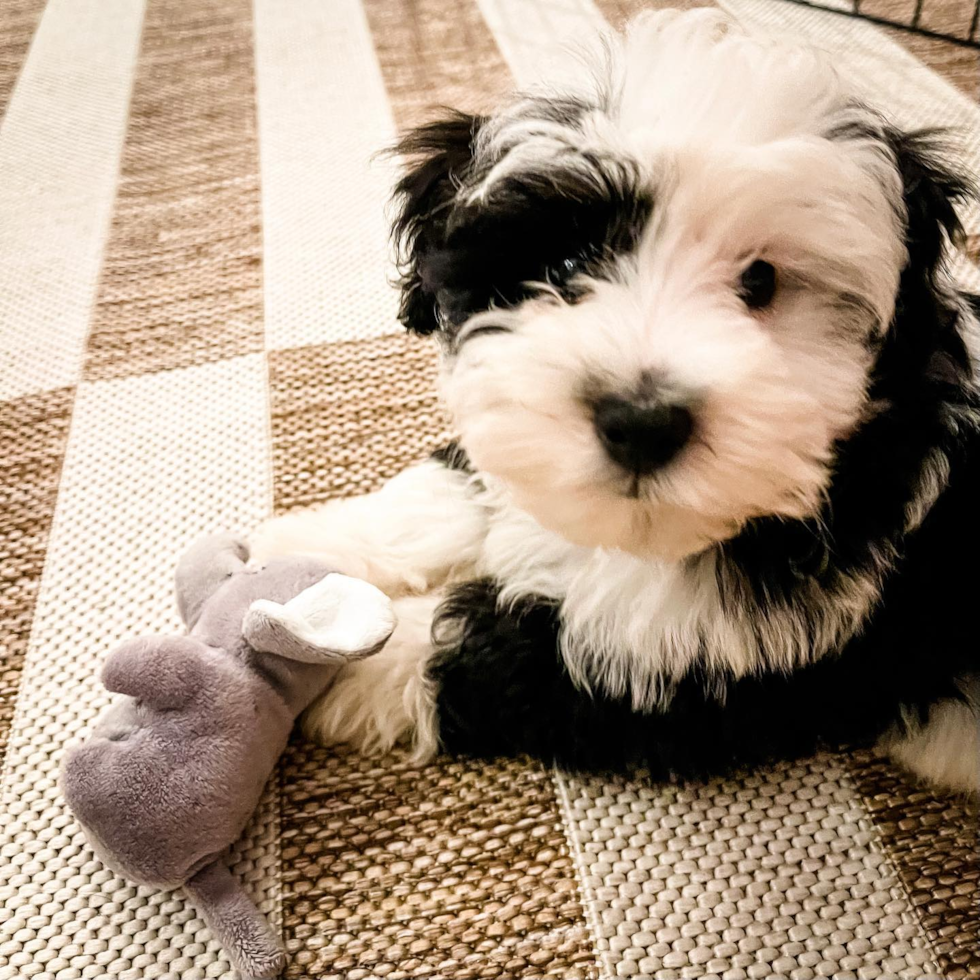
x=715, y=495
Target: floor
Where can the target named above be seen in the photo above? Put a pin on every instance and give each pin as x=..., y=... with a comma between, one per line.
x=195, y=331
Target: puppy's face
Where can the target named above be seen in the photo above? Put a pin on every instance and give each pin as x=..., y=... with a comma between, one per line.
x=661, y=300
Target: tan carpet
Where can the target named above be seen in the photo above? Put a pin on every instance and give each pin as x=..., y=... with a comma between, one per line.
x=196, y=330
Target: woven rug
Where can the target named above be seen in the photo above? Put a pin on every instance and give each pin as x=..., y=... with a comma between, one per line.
x=196, y=330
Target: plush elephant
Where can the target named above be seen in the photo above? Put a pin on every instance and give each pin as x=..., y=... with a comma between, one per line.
x=173, y=771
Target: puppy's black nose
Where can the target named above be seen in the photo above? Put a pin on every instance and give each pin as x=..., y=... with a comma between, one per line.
x=642, y=436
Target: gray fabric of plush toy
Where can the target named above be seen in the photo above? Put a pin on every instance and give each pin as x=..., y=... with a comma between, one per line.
x=173, y=771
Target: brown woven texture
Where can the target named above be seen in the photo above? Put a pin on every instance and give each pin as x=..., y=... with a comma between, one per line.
x=347, y=417
x=18, y=21
x=933, y=840
x=953, y=17
x=182, y=280
x=429, y=60
x=453, y=870
x=33, y=433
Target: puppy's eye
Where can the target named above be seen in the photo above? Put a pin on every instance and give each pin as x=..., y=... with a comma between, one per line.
x=564, y=270
x=757, y=285
x=569, y=267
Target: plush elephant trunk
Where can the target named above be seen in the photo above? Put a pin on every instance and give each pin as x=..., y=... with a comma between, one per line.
x=236, y=923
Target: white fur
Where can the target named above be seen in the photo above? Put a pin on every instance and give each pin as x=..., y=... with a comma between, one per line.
x=946, y=750
x=377, y=701
x=424, y=529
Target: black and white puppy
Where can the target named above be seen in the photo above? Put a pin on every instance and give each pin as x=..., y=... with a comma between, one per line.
x=716, y=496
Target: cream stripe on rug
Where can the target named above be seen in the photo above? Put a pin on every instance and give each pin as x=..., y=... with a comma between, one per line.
x=323, y=112
x=59, y=159
x=152, y=462
x=58, y=164
x=777, y=874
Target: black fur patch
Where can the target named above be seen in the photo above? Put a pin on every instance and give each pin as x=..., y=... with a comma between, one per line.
x=461, y=258
x=439, y=154
x=454, y=457
x=531, y=230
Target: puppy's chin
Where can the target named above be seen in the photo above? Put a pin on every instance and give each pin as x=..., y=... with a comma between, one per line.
x=596, y=518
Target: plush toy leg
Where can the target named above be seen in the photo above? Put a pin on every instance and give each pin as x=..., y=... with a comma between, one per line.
x=164, y=671
x=236, y=923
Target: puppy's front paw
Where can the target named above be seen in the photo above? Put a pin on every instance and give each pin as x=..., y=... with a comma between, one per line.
x=378, y=702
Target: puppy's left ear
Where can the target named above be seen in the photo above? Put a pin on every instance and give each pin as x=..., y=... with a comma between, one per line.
x=438, y=155
x=930, y=191
x=924, y=341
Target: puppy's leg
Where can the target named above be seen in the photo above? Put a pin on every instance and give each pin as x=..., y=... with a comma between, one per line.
x=945, y=751
x=423, y=528
x=466, y=674
x=462, y=673
x=375, y=703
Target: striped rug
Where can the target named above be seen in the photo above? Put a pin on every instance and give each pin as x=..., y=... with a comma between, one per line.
x=196, y=330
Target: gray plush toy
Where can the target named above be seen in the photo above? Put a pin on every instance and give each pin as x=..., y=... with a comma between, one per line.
x=172, y=772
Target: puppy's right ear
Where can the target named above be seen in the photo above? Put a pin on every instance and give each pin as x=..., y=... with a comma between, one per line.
x=437, y=156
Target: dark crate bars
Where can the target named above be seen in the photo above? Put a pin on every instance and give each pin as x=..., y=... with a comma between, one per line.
x=959, y=23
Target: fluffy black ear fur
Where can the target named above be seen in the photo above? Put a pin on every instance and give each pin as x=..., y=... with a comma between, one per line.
x=931, y=191
x=437, y=154
x=924, y=337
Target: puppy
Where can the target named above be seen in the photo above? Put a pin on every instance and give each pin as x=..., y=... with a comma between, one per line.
x=716, y=495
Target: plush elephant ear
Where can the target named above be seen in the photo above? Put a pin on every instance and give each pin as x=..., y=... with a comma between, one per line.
x=339, y=618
